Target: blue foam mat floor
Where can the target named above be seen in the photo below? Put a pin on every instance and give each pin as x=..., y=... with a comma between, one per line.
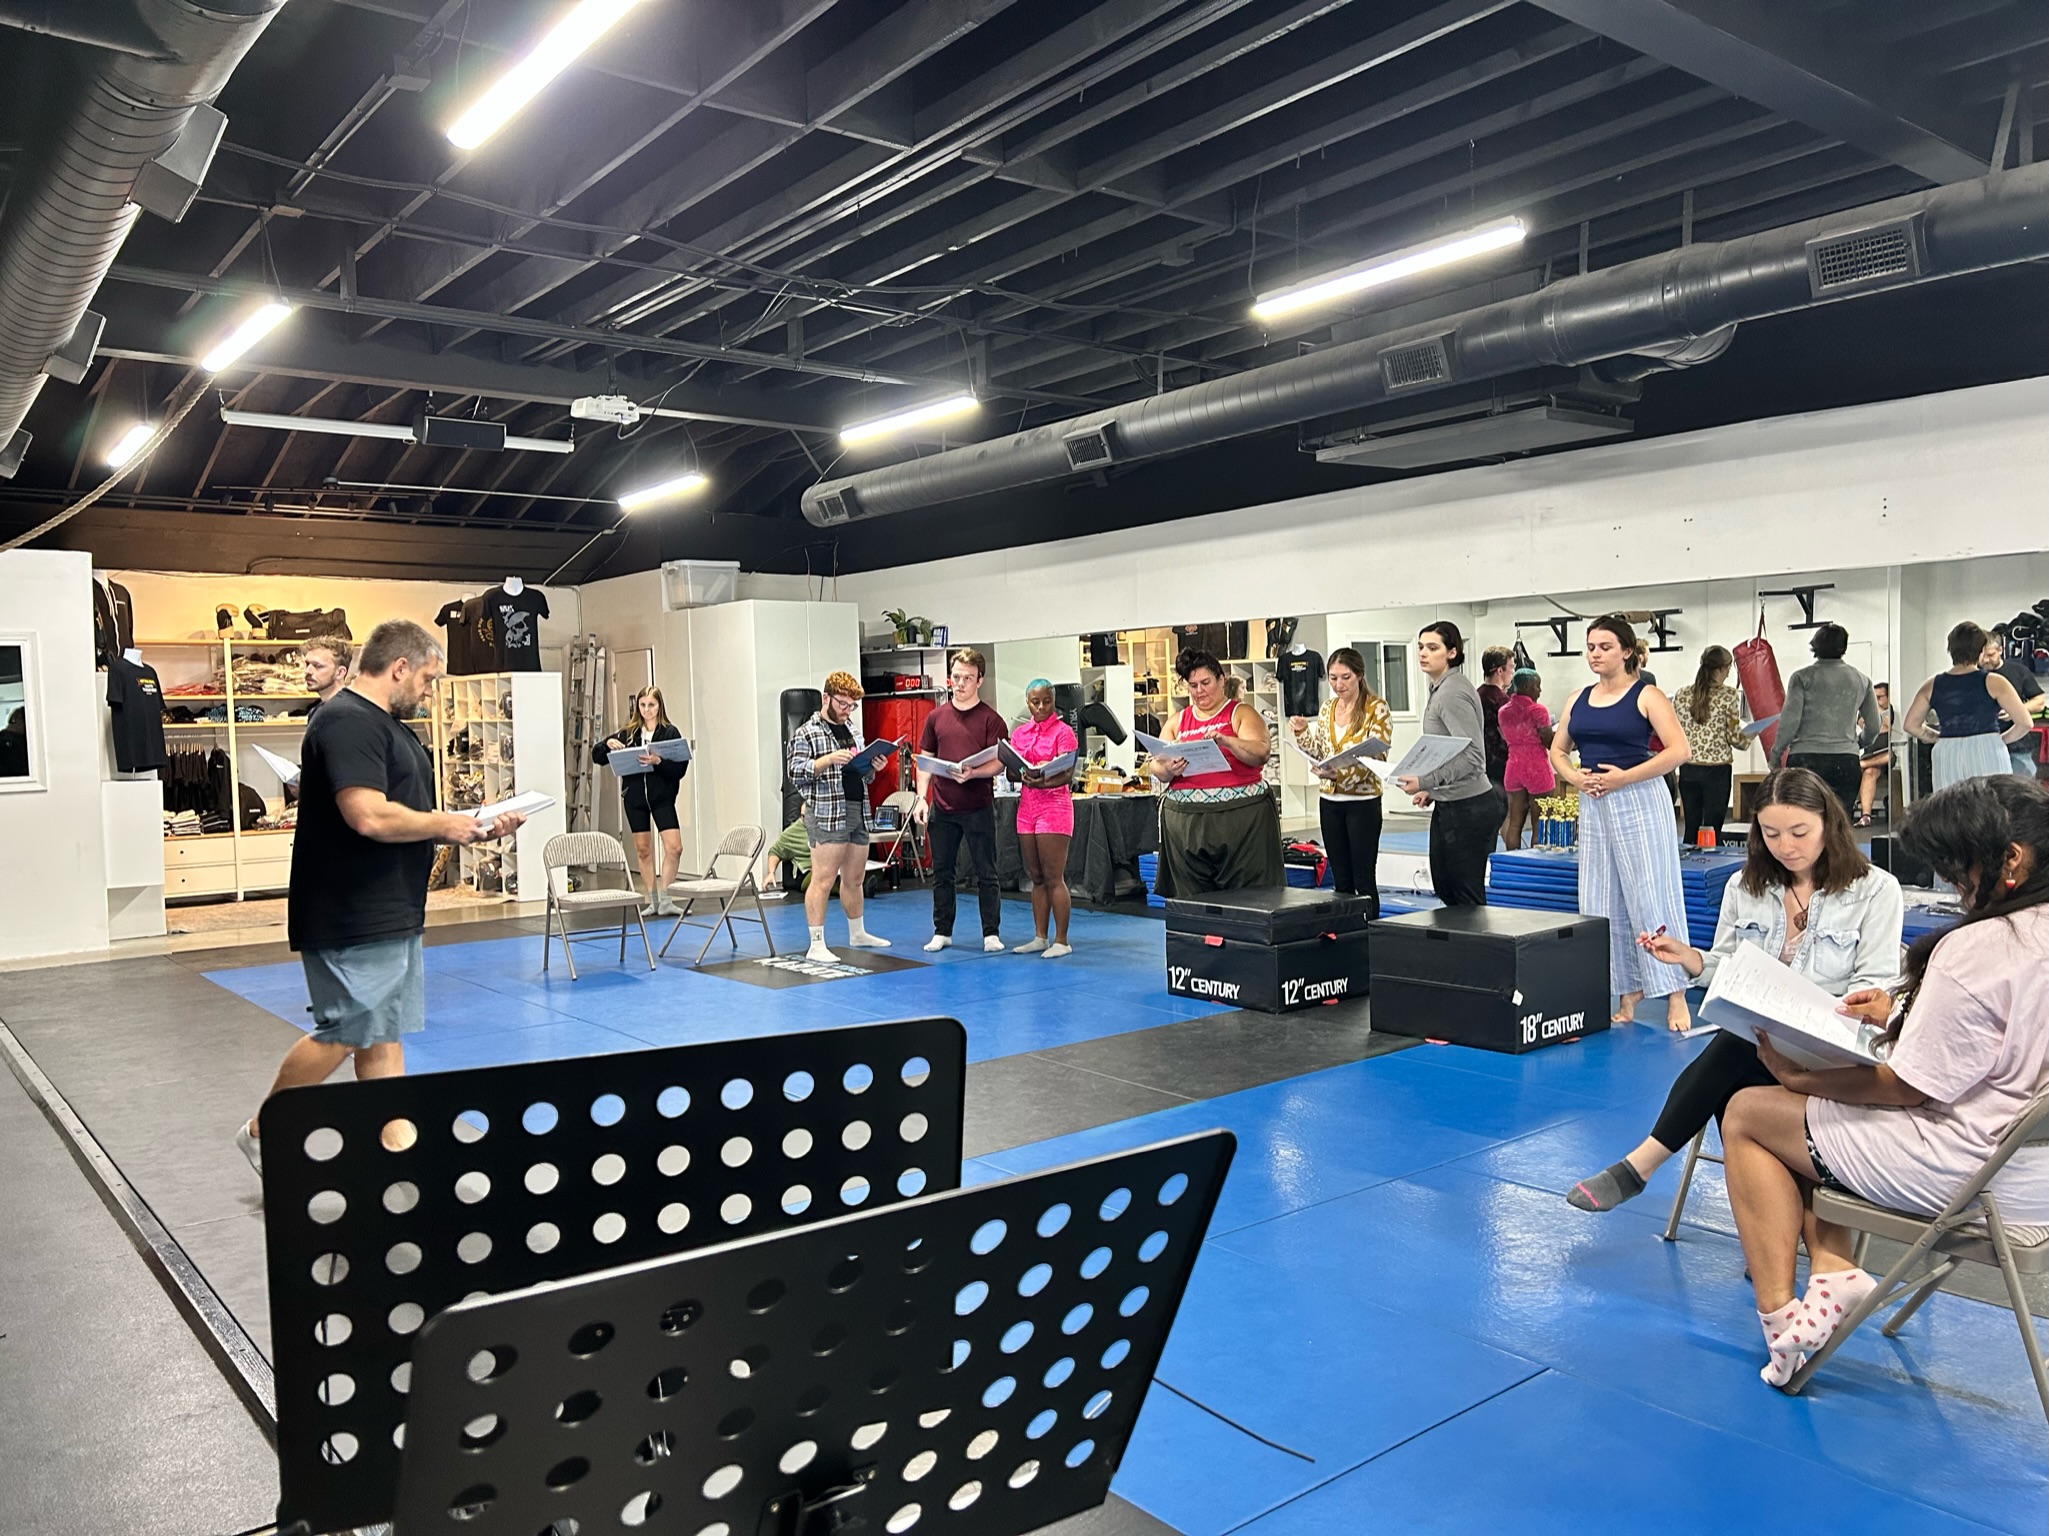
x=1397, y=1324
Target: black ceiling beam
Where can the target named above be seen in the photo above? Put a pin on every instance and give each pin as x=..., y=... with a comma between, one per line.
x=1783, y=58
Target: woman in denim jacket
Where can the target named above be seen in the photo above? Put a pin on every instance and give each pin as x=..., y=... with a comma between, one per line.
x=1811, y=899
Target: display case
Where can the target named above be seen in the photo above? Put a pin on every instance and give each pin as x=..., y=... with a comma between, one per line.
x=496, y=735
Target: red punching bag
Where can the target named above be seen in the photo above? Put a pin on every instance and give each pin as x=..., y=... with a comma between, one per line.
x=1758, y=670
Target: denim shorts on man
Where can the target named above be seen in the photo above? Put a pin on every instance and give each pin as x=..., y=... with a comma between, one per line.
x=367, y=994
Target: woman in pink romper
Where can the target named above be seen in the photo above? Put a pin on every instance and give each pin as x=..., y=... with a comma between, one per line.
x=1526, y=727
x=1045, y=819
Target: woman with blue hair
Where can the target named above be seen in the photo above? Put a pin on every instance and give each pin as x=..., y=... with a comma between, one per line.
x=1045, y=818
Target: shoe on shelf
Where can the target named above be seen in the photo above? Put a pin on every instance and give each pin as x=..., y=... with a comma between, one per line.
x=1055, y=951
x=251, y=1147
x=937, y=942
x=991, y=945
x=1031, y=946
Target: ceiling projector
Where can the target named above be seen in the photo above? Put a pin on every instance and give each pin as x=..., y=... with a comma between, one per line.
x=612, y=408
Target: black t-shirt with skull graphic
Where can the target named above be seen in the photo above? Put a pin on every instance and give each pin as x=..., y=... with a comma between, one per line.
x=518, y=621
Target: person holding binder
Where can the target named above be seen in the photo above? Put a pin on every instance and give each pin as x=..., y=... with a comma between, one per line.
x=1219, y=829
x=1807, y=896
x=830, y=768
x=1044, y=749
x=1969, y=1050
x=649, y=795
x=1470, y=807
x=1628, y=845
x=1348, y=795
x=959, y=805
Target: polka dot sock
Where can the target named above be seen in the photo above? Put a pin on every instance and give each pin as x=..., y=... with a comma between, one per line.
x=1783, y=1338
x=1830, y=1298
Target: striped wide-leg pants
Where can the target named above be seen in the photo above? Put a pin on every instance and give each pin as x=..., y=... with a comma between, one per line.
x=1629, y=874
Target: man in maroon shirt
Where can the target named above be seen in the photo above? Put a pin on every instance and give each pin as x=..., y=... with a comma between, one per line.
x=962, y=806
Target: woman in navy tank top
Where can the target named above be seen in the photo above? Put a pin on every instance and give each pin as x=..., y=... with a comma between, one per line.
x=1967, y=705
x=1628, y=840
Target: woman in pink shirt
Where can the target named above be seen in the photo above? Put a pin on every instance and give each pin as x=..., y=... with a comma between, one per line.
x=1526, y=727
x=1045, y=818
x=1970, y=1048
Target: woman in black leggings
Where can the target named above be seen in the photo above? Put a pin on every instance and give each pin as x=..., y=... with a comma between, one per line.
x=1810, y=898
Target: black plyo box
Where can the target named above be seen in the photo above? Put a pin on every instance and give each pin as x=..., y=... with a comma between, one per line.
x=1278, y=914
x=1272, y=978
x=1499, y=978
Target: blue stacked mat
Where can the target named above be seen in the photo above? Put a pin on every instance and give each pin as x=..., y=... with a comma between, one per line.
x=1149, y=872
x=1547, y=879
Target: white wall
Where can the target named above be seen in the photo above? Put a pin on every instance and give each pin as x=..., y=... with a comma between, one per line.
x=1905, y=482
x=53, y=899
x=1014, y=663
x=1986, y=592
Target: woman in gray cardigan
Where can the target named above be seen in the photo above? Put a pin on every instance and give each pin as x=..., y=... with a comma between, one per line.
x=1470, y=806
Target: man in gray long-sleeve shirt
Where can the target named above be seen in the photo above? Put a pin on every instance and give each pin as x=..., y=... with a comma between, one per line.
x=1830, y=716
x=1470, y=806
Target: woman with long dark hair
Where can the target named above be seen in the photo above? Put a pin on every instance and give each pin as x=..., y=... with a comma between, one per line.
x=1969, y=1049
x=1807, y=895
x=650, y=797
x=1711, y=715
x=1219, y=831
x=1348, y=799
x=1469, y=805
x=1628, y=847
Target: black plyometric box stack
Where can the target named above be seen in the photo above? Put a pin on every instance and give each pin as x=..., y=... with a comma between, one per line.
x=1500, y=978
x=1271, y=948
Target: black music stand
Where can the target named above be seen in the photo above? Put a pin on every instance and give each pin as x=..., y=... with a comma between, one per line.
x=521, y=1174
x=970, y=1362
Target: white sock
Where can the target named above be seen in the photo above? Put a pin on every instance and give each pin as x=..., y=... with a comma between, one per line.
x=818, y=935
x=1055, y=951
x=937, y=942
x=1786, y=1340
x=992, y=945
x=859, y=936
x=1032, y=945
x=1830, y=1298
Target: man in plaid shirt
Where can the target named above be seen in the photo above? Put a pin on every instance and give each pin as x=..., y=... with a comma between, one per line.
x=835, y=812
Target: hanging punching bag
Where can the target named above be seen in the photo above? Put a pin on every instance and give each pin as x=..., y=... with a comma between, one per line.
x=1757, y=668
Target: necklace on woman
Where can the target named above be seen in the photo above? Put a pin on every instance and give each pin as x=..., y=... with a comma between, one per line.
x=1799, y=914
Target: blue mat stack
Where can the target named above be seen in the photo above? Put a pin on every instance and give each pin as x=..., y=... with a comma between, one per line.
x=1548, y=879
x=1149, y=872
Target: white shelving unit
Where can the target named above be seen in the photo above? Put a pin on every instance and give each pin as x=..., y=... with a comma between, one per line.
x=889, y=661
x=496, y=735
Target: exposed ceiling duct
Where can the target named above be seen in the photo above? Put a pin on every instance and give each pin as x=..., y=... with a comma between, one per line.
x=136, y=133
x=1670, y=310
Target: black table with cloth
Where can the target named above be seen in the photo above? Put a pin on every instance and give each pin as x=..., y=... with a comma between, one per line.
x=1110, y=832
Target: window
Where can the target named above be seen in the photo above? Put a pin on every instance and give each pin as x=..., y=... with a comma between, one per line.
x=20, y=743
x=1389, y=670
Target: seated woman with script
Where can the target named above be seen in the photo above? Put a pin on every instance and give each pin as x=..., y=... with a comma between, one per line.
x=1806, y=895
x=1969, y=1049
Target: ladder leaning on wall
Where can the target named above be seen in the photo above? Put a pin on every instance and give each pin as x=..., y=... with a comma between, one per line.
x=586, y=700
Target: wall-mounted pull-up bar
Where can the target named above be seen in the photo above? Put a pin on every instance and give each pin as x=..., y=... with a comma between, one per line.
x=1805, y=597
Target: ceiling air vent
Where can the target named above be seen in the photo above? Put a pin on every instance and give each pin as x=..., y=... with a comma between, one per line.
x=836, y=507
x=1417, y=364
x=1088, y=449
x=1885, y=255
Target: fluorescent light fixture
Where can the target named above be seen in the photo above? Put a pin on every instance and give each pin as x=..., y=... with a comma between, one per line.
x=647, y=496
x=562, y=46
x=903, y=421
x=258, y=325
x=129, y=444
x=392, y=433
x=1389, y=268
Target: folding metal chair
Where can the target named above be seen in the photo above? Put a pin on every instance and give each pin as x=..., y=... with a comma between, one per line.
x=891, y=855
x=1696, y=1154
x=1970, y=1228
x=744, y=844
x=601, y=852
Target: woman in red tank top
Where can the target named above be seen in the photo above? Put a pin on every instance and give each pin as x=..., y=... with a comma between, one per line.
x=1219, y=831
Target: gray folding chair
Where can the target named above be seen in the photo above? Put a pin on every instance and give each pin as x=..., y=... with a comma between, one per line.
x=891, y=855
x=1696, y=1154
x=601, y=853
x=1970, y=1228
x=744, y=844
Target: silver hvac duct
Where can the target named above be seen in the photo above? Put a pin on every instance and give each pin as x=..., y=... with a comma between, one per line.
x=137, y=133
x=1670, y=310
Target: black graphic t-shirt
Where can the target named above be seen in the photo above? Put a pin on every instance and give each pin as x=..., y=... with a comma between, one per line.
x=1301, y=672
x=347, y=888
x=137, y=699
x=459, y=619
x=517, y=619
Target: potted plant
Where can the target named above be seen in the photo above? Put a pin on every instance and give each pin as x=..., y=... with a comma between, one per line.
x=902, y=621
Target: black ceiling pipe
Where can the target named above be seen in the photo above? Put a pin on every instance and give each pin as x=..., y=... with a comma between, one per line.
x=73, y=204
x=1678, y=307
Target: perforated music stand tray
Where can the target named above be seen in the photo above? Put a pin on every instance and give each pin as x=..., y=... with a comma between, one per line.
x=521, y=1174
x=965, y=1362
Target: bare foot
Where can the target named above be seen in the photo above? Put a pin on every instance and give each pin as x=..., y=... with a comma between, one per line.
x=1676, y=1016
x=1625, y=1012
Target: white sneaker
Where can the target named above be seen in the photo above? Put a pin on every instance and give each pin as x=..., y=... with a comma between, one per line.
x=937, y=942
x=865, y=940
x=1055, y=951
x=1030, y=947
x=821, y=955
x=250, y=1146
x=992, y=945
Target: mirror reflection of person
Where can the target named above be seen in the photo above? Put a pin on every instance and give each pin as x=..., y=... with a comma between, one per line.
x=1980, y=713
x=1996, y=658
x=325, y=660
x=1877, y=757
x=650, y=798
x=14, y=746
